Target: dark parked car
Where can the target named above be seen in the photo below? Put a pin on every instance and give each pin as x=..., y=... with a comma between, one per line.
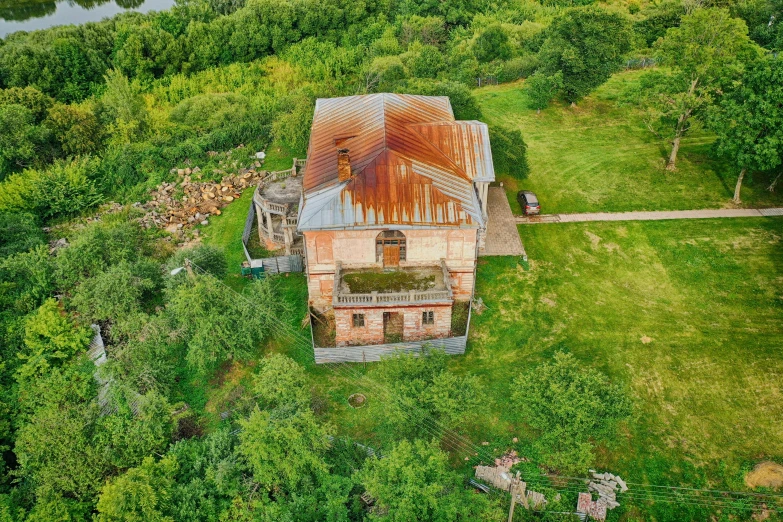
x=529, y=202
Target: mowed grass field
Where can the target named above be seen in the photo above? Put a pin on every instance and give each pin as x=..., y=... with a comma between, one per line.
x=686, y=315
x=600, y=156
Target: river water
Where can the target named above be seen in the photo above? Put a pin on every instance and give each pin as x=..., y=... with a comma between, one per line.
x=29, y=15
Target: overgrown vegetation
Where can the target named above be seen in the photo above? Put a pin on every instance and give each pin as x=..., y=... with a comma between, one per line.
x=367, y=281
x=197, y=414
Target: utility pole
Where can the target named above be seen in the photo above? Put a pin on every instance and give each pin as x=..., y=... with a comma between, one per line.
x=517, y=489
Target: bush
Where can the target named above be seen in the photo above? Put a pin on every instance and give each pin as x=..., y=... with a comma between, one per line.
x=492, y=44
x=509, y=152
x=206, y=258
x=463, y=103
x=211, y=111
x=570, y=407
x=516, y=68
x=19, y=232
x=65, y=189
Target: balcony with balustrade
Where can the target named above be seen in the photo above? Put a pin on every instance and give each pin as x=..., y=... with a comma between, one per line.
x=392, y=287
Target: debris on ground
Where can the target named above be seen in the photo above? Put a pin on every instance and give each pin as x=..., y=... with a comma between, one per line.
x=606, y=486
x=508, y=460
x=478, y=306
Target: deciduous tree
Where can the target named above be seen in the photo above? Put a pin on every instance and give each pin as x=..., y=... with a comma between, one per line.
x=585, y=44
x=706, y=53
x=749, y=121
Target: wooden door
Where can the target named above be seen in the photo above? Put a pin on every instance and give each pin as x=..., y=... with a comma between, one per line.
x=391, y=255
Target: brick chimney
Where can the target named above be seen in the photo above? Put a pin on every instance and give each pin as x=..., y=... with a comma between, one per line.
x=343, y=165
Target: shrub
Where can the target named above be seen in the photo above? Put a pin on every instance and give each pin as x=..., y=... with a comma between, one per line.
x=463, y=103
x=509, y=152
x=492, y=44
x=211, y=111
x=65, y=189
x=516, y=68
x=570, y=407
x=19, y=232
x=208, y=258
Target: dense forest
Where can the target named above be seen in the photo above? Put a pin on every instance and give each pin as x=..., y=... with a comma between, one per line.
x=103, y=112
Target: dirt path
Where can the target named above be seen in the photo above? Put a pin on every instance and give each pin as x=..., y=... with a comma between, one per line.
x=650, y=215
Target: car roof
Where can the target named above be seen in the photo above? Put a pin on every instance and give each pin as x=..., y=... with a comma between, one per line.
x=528, y=193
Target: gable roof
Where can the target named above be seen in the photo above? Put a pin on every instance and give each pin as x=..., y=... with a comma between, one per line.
x=412, y=164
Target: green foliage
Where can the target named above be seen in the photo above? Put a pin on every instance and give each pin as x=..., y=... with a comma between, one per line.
x=292, y=127
x=140, y=494
x=516, y=68
x=50, y=339
x=542, y=88
x=425, y=389
x=463, y=103
x=75, y=128
x=211, y=111
x=413, y=482
x=281, y=382
x=492, y=44
x=571, y=407
x=117, y=292
x=64, y=189
x=128, y=434
x=749, y=119
x=26, y=279
x=206, y=258
x=56, y=454
x=587, y=45
x=424, y=61
x=218, y=326
x=124, y=108
x=30, y=98
x=21, y=141
x=656, y=20
x=427, y=30
x=113, y=240
x=19, y=232
x=284, y=448
x=509, y=152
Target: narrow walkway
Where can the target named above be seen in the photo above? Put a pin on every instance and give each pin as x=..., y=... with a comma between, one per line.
x=649, y=215
x=502, y=234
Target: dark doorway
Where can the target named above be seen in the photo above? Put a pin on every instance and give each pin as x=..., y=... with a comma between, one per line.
x=393, y=326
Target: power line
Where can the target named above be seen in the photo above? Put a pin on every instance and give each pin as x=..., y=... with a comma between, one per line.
x=460, y=444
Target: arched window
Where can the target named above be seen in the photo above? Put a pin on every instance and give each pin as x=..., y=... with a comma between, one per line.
x=390, y=247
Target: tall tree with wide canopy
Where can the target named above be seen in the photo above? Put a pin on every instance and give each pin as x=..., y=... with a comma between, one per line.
x=586, y=45
x=749, y=121
x=706, y=53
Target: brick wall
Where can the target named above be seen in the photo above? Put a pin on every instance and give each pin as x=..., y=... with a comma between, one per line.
x=372, y=331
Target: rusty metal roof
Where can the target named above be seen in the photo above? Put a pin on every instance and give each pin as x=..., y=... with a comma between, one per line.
x=412, y=164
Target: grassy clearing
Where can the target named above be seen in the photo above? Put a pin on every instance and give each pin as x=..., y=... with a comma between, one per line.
x=688, y=315
x=600, y=156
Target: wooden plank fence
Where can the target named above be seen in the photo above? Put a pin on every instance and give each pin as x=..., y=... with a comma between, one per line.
x=374, y=352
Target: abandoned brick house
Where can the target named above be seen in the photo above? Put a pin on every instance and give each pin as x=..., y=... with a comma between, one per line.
x=393, y=213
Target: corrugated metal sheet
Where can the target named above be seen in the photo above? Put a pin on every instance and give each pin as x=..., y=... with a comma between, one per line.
x=374, y=352
x=413, y=164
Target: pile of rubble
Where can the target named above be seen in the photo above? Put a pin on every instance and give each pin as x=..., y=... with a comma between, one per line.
x=606, y=486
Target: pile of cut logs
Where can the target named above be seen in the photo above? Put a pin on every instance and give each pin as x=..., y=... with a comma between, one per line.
x=174, y=209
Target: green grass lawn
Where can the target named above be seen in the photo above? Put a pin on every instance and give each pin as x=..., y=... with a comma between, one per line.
x=687, y=315
x=600, y=156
